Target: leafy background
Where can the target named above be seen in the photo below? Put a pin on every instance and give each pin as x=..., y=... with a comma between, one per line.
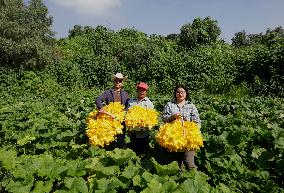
x=48, y=86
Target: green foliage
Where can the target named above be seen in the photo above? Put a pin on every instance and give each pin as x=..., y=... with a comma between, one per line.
x=240, y=142
x=25, y=35
x=91, y=55
x=240, y=39
x=44, y=148
x=270, y=37
x=79, y=30
x=211, y=68
x=200, y=31
x=94, y=56
x=261, y=67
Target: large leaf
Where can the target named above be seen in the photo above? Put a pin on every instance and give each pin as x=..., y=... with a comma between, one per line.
x=43, y=187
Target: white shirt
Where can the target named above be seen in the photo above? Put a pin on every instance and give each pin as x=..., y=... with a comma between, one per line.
x=146, y=103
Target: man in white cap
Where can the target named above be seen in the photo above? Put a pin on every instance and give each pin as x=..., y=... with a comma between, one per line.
x=116, y=94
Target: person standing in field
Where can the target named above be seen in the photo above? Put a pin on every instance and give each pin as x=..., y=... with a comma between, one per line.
x=182, y=108
x=140, y=139
x=116, y=94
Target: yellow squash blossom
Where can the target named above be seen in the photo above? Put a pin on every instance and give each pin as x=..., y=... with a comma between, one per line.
x=102, y=132
x=102, y=128
x=138, y=118
x=180, y=136
x=116, y=109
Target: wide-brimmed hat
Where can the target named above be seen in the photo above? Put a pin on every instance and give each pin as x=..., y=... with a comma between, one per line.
x=142, y=85
x=118, y=76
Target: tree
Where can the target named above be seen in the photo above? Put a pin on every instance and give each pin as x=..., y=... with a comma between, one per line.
x=204, y=31
x=268, y=38
x=173, y=36
x=26, y=39
x=78, y=30
x=240, y=39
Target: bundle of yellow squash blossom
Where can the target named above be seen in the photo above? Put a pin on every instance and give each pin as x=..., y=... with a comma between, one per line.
x=103, y=128
x=180, y=136
x=116, y=109
x=139, y=118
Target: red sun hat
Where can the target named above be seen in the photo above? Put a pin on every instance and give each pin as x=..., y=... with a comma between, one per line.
x=143, y=85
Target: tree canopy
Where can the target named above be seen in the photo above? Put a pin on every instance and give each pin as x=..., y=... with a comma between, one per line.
x=200, y=31
x=26, y=37
x=270, y=37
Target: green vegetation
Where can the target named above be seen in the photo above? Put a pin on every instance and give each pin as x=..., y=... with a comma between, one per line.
x=48, y=89
x=25, y=36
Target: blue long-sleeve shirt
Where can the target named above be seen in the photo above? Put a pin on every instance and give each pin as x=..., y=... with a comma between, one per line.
x=108, y=97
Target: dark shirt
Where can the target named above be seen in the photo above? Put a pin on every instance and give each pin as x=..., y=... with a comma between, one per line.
x=108, y=97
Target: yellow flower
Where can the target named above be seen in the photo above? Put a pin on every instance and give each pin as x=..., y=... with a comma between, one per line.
x=138, y=117
x=180, y=136
x=116, y=109
x=101, y=128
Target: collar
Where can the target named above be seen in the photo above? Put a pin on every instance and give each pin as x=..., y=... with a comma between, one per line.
x=145, y=99
x=186, y=102
x=113, y=91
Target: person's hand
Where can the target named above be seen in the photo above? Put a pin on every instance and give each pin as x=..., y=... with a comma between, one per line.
x=107, y=113
x=101, y=111
x=176, y=116
x=112, y=116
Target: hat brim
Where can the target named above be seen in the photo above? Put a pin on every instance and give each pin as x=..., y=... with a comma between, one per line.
x=142, y=88
x=113, y=77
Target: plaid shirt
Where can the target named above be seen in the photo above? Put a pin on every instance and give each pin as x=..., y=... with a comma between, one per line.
x=188, y=111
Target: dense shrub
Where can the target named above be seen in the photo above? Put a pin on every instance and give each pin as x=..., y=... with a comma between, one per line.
x=262, y=68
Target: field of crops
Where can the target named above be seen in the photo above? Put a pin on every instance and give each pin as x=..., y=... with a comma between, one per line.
x=44, y=147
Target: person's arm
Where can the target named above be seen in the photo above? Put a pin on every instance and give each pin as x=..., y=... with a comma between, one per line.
x=167, y=115
x=150, y=105
x=127, y=104
x=195, y=115
x=101, y=99
x=124, y=98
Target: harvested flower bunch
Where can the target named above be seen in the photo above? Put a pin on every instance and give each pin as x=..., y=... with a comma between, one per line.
x=102, y=132
x=113, y=110
x=103, y=127
x=138, y=118
x=180, y=136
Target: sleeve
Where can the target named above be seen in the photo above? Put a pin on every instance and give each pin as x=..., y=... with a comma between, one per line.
x=100, y=100
x=127, y=105
x=150, y=105
x=195, y=115
x=125, y=98
x=166, y=115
